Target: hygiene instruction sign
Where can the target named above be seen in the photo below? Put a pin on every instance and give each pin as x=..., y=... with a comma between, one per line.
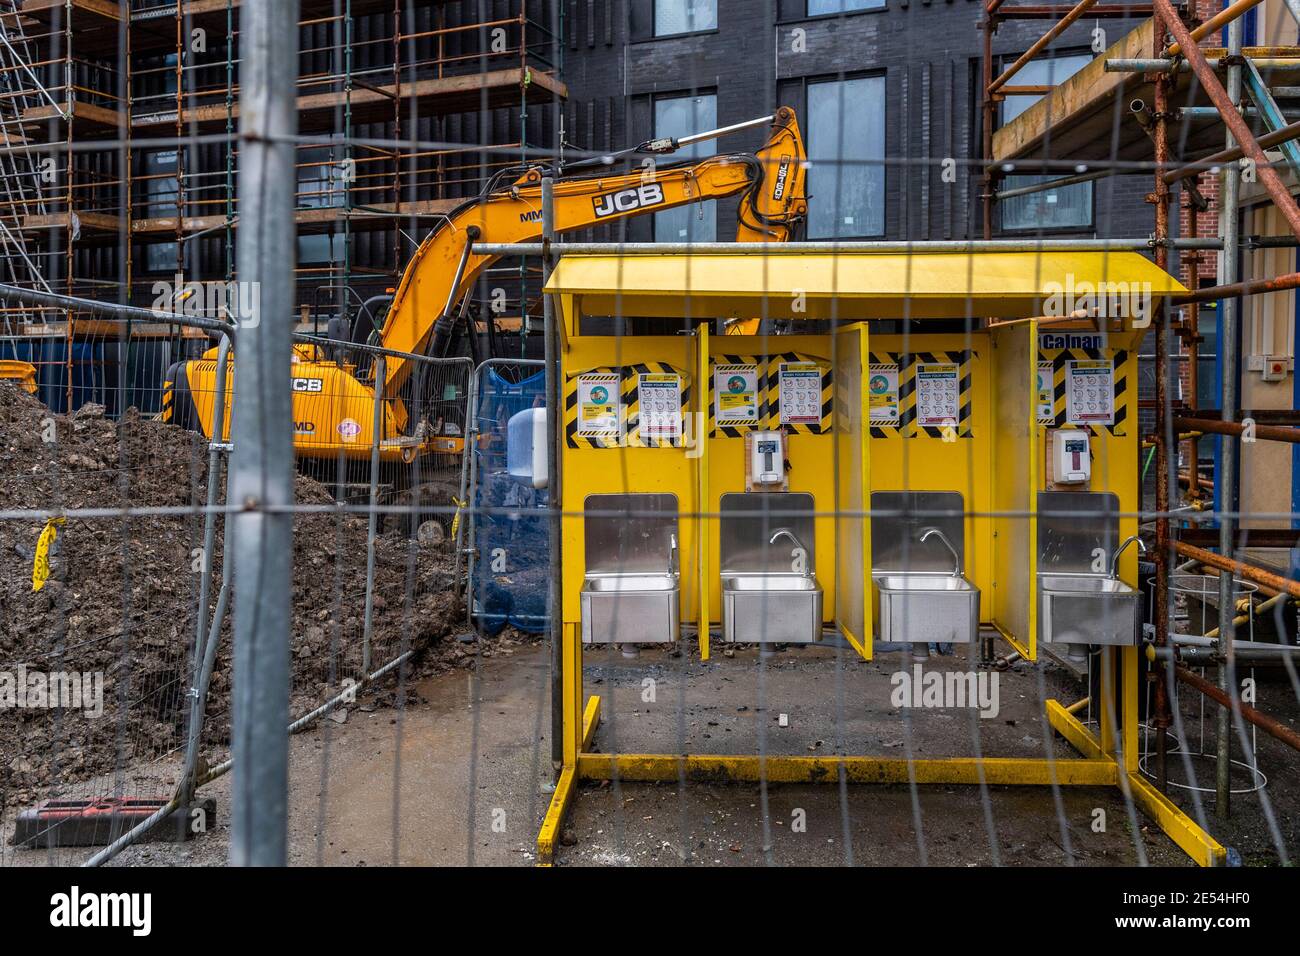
x=937, y=393
x=800, y=391
x=598, y=403
x=882, y=393
x=1090, y=392
x=735, y=394
x=661, y=405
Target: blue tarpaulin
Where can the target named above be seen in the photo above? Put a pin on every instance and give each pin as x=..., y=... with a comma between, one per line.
x=512, y=534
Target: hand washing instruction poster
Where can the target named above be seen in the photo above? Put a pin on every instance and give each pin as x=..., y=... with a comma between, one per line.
x=937, y=393
x=735, y=394
x=800, y=388
x=882, y=393
x=1090, y=392
x=660, y=394
x=598, y=400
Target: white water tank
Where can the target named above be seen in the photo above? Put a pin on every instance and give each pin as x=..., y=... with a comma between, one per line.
x=526, y=447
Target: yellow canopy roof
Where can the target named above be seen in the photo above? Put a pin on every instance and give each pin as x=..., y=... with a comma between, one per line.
x=852, y=286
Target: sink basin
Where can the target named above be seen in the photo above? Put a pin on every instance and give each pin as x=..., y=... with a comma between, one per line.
x=923, y=582
x=1087, y=609
x=927, y=608
x=630, y=608
x=771, y=608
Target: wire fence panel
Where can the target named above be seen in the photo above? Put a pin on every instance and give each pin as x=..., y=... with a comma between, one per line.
x=948, y=515
x=508, y=542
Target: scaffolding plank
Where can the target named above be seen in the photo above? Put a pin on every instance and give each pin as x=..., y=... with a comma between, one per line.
x=380, y=213
x=451, y=94
x=1077, y=120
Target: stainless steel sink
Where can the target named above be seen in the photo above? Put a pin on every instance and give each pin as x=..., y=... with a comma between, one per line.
x=925, y=608
x=630, y=608
x=631, y=591
x=769, y=608
x=1087, y=609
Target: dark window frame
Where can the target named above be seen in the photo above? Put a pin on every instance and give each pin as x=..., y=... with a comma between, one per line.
x=641, y=28
x=654, y=98
x=805, y=127
x=1003, y=62
x=790, y=19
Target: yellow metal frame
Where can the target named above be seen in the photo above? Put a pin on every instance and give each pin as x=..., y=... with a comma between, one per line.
x=1099, y=766
x=1108, y=758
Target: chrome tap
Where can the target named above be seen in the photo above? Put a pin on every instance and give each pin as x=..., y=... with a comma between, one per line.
x=786, y=533
x=673, y=566
x=928, y=533
x=1114, y=557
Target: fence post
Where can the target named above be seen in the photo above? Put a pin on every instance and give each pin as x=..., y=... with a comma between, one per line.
x=261, y=466
x=553, y=406
x=376, y=429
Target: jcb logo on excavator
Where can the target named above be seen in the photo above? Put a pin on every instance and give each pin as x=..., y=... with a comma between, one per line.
x=625, y=200
x=308, y=385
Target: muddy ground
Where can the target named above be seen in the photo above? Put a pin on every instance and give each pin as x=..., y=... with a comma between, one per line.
x=461, y=775
x=123, y=594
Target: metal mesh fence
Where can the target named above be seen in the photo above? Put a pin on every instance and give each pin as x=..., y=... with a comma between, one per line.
x=945, y=517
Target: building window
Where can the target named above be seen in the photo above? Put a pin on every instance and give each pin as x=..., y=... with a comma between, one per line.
x=321, y=249
x=819, y=8
x=320, y=179
x=161, y=257
x=680, y=116
x=158, y=170
x=685, y=16
x=1067, y=207
x=846, y=133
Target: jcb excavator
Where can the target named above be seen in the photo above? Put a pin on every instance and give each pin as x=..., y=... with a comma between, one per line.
x=333, y=398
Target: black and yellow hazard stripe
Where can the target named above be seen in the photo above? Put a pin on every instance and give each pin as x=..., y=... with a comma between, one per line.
x=1060, y=405
x=907, y=426
x=629, y=408
x=771, y=386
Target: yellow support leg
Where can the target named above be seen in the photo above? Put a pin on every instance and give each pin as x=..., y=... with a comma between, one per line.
x=1178, y=826
x=590, y=721
x=549, y=836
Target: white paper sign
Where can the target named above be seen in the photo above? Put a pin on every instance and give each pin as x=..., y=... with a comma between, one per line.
x=799, y=385
x=1090, y=392
x=1044, y=389
x=661, y=405
x=882, y=392
x=937, y=394
x=735, y=394
x=598, y=405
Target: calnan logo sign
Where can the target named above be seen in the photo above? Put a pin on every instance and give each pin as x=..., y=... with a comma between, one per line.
x=1050, y=341
x=626, y=200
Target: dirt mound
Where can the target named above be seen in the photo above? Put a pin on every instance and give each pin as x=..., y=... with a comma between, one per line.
x=122, y=597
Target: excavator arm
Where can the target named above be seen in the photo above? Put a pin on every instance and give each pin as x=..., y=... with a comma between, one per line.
x=444, y=268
